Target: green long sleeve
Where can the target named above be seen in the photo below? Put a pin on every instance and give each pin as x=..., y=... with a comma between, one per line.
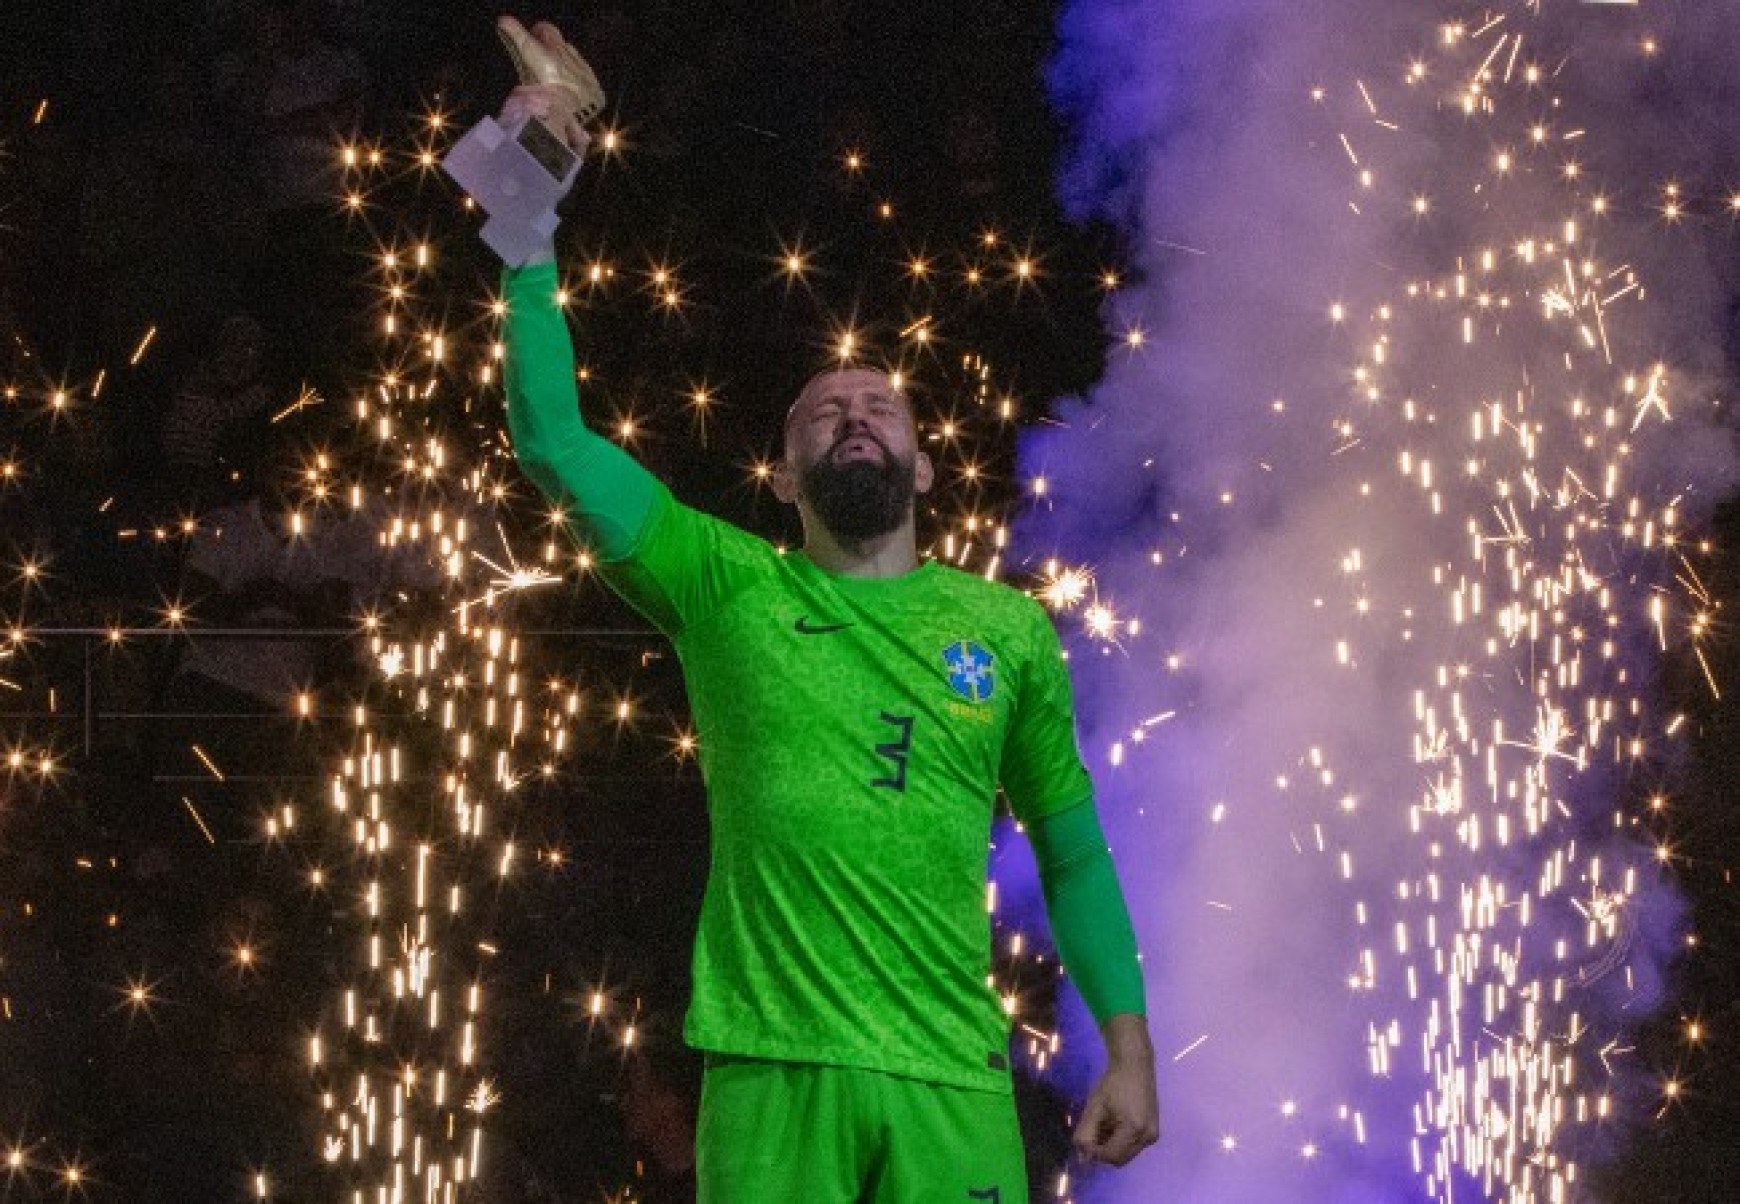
x=1089, y=919
x=607, y=496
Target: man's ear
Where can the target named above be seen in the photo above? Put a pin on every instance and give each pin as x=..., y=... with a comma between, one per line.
x=783, y=482
x=923, y=473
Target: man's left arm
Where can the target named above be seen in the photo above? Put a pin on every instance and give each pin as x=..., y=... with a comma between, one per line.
x=1097, y=943
x=1051, y=793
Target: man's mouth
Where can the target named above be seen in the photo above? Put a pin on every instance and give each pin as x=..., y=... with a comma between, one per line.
x=855, y=447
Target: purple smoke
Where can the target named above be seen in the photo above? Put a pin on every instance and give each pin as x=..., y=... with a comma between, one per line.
x=1393, y=554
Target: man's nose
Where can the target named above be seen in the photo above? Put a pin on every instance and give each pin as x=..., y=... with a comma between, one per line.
x=855, y=414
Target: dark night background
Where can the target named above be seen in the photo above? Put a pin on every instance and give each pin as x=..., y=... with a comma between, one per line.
x=181, y=179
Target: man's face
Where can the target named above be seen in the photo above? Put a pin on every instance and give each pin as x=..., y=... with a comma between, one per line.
x=851, y=453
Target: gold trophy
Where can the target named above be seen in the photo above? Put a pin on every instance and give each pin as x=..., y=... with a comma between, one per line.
x=518, y=171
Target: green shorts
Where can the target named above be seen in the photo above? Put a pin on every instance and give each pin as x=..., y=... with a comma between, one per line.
x=784, y=1132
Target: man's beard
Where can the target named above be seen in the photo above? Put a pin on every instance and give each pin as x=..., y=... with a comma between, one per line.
x=860, y=499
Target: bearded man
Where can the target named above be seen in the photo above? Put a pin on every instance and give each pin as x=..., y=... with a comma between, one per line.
x=858, y=709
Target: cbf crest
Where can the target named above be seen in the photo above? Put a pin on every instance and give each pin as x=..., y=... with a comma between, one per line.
x=972, y=670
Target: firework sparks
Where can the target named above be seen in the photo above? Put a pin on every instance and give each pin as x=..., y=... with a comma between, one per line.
x=1444, y=594
x=404, y=1037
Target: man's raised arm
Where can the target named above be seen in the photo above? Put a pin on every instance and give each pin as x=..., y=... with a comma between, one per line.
x=673, y=564
x=606, y=496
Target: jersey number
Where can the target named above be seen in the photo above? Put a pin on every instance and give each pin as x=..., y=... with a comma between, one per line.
x=896, y=751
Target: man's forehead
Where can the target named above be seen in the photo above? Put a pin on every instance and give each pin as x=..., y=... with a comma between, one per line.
x=843, y=383
x=847, y=382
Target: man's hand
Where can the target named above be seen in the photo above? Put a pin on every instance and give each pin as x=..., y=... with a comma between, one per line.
x=557, y=85
x=519, y=178
x=1122, y=1117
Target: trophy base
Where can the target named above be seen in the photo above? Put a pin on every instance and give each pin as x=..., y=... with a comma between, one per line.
x=516, y=174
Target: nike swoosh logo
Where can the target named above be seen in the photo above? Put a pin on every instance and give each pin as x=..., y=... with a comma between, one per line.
x=804, y=627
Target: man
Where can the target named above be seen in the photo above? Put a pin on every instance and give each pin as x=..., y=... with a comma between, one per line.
x=857, y=710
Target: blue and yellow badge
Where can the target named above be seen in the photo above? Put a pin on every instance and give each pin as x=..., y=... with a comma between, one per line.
x=971, y=672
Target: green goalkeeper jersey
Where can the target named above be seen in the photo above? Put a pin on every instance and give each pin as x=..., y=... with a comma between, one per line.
x=853, y=733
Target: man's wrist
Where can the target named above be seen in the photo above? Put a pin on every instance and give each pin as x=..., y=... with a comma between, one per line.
x=1126, y=1038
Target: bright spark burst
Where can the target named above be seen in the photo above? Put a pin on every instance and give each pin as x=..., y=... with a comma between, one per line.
x=1509, y=909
